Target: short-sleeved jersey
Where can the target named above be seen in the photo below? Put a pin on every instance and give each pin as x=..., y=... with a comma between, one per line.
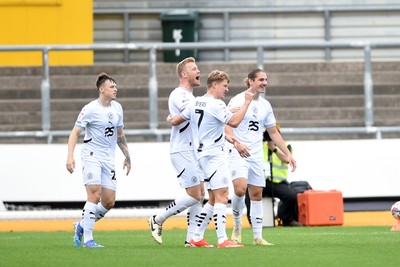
x=208, y=117
x=259, y=116
x=100, y=124
x=181, y=135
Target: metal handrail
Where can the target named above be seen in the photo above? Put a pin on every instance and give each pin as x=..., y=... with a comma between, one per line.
x=252, y=10
x=259, y=47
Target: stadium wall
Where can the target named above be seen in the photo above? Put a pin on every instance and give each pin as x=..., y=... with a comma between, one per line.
x=33, y=22
x=35, y=173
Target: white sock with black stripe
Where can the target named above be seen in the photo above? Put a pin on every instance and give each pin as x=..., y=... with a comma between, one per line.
x=256, y=216
x=89, y=217
x=100, y=211
x=175, y=207
x=203, y=220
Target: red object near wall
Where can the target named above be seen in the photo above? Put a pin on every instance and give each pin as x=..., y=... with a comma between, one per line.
x=317, y=208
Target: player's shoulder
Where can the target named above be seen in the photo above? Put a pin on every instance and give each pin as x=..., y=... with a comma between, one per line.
x=239, y=95
x=207, y=98
x=264, y=101
x=180, y=95
x=116, y=104
x=181, y=92
x=218, y=104
x=92, y=105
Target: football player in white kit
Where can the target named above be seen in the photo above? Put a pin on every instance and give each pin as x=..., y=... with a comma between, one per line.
x=246, y=156
x=183, y=158
x=102, y=120
x=208, y=115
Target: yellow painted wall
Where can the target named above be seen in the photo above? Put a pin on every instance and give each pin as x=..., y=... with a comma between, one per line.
x=37, y=22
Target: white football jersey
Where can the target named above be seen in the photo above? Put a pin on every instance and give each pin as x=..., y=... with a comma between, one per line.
x=259, y=116
x=181, y=135
x=100, y=124
x=208, y=117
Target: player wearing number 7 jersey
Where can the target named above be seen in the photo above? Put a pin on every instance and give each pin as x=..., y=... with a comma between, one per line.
x=183, y=158
x=208, y=115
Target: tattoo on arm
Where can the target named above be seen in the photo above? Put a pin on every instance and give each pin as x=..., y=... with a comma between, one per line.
x=123, y=145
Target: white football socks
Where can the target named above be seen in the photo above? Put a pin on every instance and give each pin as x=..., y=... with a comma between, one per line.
x=100, y=211
x=192, y=217
x=89, y=217
x=203, y=221
x=256, y=217
x=237, y=209
x=220, y=221
x=175, y=207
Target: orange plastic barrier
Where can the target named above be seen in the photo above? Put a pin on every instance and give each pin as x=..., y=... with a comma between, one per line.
x=320, y=207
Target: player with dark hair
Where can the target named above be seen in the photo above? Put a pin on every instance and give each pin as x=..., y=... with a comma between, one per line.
x=246, y=156
x=102, y=120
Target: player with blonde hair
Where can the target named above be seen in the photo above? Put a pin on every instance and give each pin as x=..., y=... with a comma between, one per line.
x=208, y=115
x=183, y=158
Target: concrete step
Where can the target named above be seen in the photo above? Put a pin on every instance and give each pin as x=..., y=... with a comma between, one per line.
x=205, y=67
x=276, y=101
x=142, y=80
x=302, y=94
x=17, y=90
x=271, y=92
x=142, y=103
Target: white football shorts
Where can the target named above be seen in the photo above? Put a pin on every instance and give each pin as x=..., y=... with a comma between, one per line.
x=216, y=171
x=187, y=169
x=253, y=171
x=99, y=173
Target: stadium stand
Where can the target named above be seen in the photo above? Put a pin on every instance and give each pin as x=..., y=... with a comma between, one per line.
x=308, y=88
x=302, y=94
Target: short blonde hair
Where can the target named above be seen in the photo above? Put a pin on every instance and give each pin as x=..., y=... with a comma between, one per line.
x=181, y=65
x=216, y=76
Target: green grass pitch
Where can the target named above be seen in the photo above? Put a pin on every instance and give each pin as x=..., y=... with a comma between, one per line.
x=305, y=246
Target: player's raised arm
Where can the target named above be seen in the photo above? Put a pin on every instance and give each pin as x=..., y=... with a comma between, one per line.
x=238, y=116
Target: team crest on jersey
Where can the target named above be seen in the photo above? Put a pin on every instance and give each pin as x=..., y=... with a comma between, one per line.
x=194, y=179
x=225, y=180
x=255, y=110
x=110, y=116
x=234, y=173
x=90, y=175
x=185, y=98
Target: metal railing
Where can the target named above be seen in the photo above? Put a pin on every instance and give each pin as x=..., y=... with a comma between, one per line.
x=152, y=48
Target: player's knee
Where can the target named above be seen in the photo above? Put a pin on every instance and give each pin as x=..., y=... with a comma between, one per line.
x=108, y=204
x=240, y=191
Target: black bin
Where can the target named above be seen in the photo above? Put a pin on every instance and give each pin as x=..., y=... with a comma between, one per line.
x=179, y=26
